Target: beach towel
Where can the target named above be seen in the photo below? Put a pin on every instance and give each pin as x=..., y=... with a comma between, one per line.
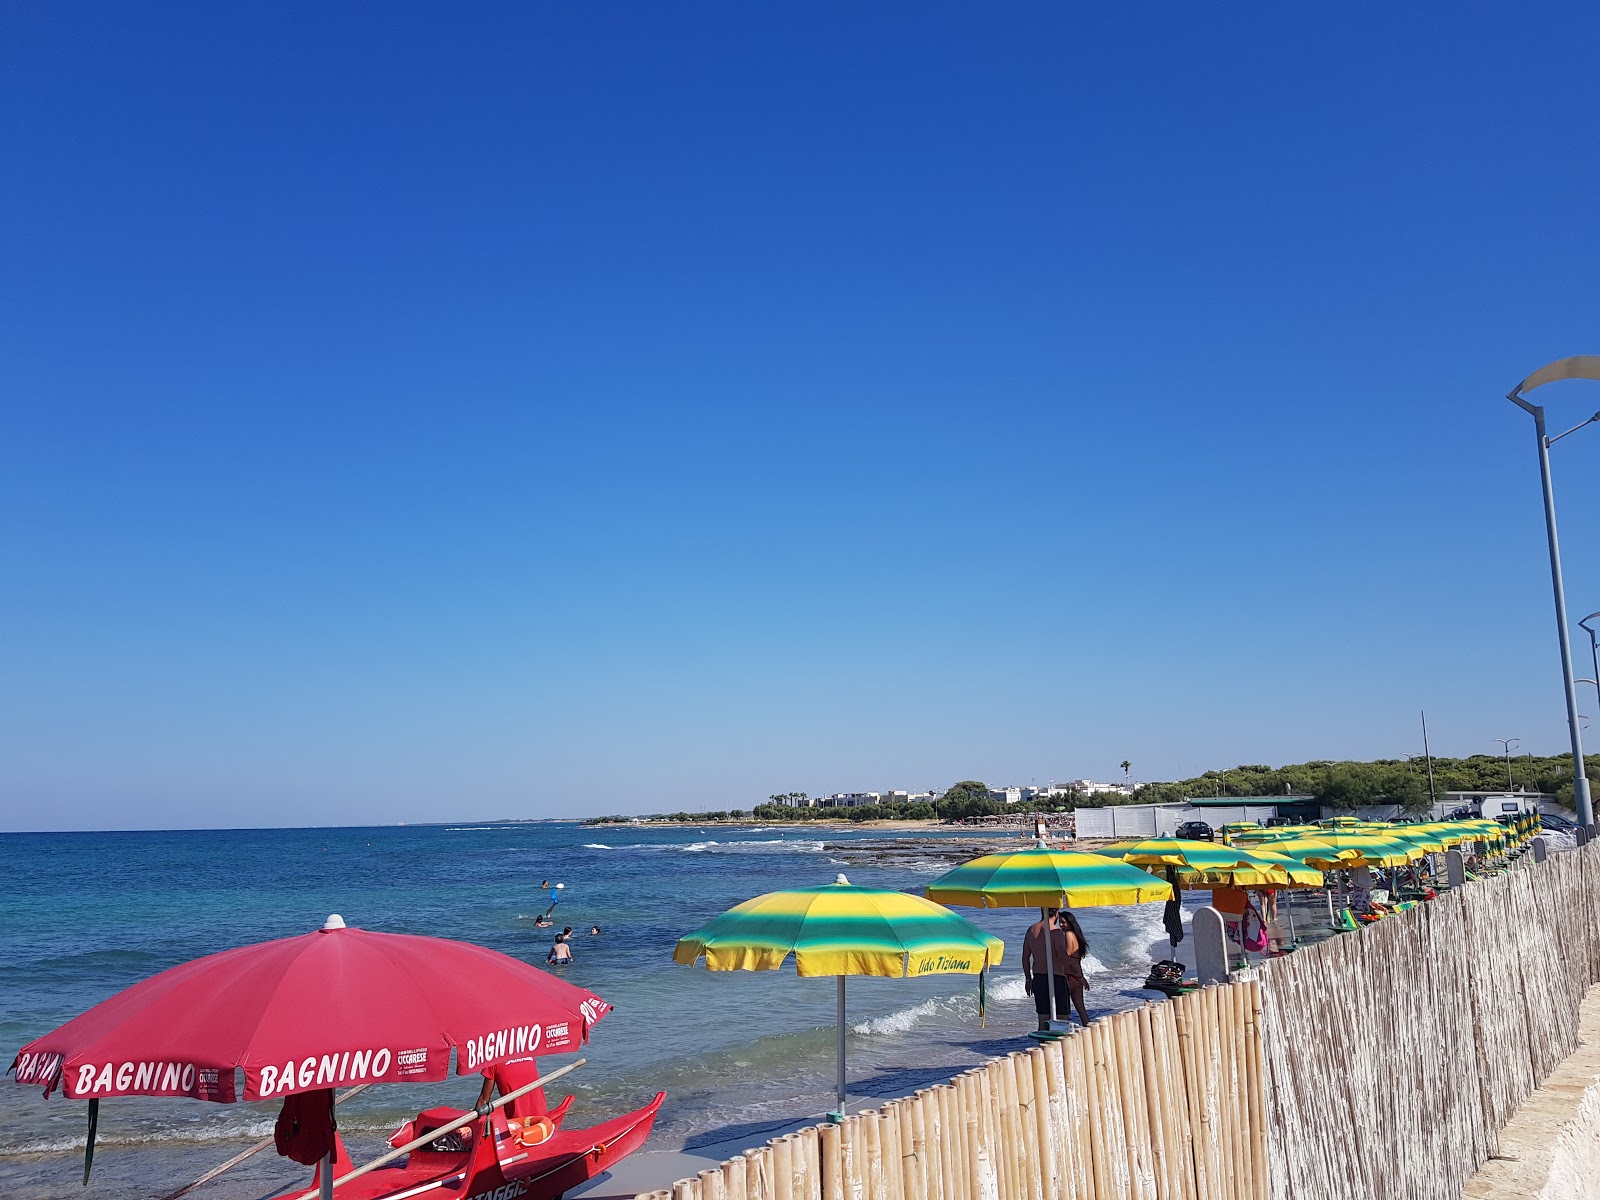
x=1172, y=919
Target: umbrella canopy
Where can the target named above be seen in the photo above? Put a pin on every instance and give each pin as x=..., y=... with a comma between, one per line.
x=1300, y=875
x=299, y=1014
x=1447, y=833
x=1202, y=863
x=1374, y=850
x=841, y=929
x=1417, y=836
x=1038, y=877
x=1315, y=851
x=1336, y=822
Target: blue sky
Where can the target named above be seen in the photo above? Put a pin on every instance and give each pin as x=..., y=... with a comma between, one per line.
x=416, y=411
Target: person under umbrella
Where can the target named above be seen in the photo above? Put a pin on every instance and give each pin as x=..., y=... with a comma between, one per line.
x=1061, y=971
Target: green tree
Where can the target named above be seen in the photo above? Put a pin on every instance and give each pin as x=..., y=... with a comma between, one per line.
x=969, y=798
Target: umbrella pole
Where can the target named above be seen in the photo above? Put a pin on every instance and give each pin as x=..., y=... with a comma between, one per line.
x=326, y=1177
x=841, y=1048
x=1049, y=964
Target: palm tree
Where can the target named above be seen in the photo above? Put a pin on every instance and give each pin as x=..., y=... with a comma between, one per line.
x=1127, y=774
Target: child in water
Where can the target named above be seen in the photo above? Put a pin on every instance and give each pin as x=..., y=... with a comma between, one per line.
x=560, y=953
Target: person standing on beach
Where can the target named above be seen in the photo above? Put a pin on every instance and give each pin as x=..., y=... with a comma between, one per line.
x=1068, y=945
x=508, y=1077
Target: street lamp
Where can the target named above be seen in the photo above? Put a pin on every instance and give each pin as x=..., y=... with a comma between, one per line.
x=1582, y=366
x=1508, y=743
x=1594, y=651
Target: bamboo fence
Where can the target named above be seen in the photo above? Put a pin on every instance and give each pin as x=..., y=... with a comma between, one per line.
x=1380, y=1064
x=1165, y=1102
x=1395, y=1056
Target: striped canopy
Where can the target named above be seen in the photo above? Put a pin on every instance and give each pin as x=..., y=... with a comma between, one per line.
x=1375, y=850
x=1300, y=875
x=1205, y=864
x=1447, y=833
x=1335, y=822
x=1315, y=851
x=841, y=929
x=1039, y=877
x=1419, y=837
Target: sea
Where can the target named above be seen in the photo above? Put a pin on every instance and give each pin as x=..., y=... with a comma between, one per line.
x=739, y=1054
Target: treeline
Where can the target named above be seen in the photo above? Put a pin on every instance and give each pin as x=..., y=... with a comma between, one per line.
x=1338, y=784
x=1384, y=781
x=967, y=799
x=677, y=818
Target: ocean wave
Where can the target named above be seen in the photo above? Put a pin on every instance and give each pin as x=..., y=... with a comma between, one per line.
x=1011, y=987
x=596, y=846
x=899, y=1021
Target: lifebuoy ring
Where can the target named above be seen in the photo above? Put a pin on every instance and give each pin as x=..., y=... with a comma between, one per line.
x=530, y=1131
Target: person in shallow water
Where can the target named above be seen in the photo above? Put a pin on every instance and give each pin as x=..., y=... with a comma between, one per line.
x=1068, y=945
x=560, y=954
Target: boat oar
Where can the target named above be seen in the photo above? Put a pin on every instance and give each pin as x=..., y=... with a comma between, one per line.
x=256, y=1149
x=451, y=1127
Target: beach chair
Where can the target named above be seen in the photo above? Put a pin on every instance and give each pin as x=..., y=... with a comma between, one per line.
x=1346, y=922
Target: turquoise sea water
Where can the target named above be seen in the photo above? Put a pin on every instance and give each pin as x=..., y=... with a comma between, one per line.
x=85, y=915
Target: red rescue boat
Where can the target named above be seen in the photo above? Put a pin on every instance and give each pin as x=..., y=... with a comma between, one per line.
x=297, y=1017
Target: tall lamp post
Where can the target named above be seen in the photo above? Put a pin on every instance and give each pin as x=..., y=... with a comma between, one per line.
x=1582, y=366
x=1594, y=650
x=1508, y=743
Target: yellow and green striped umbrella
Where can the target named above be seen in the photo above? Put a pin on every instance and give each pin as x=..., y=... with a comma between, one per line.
x=1042, y=878
x=1205, y=863
x=1313, y=850
x=1417, y=836
x=841, y=930
x=1448, y=833
x=1300, y=874
x=1374, y=850
x=1337, y=822
x=1039, y=877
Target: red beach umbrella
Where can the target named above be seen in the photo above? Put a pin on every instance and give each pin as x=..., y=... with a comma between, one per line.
x=333, y=1007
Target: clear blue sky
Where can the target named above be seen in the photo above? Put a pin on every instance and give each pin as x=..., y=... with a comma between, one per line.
x=421, y=411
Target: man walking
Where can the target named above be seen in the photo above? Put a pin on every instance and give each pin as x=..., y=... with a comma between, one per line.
x=1068, y=945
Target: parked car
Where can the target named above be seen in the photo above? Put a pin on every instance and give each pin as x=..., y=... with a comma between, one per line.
x=1461, y=814
x=1196, y=831
x=1275, y=822
x=1557, y=822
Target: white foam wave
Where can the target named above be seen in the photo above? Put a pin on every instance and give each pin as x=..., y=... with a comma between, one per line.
x=698, y=847
x=595, y=846
x=899, y=1021
x=1011, y=987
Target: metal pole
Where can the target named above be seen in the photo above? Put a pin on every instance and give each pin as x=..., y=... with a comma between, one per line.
x=841, y=1047
x=1049, y=964
x=1580, y=780
x=1505, y=744
x=325, y=1179
x=1432, y=798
